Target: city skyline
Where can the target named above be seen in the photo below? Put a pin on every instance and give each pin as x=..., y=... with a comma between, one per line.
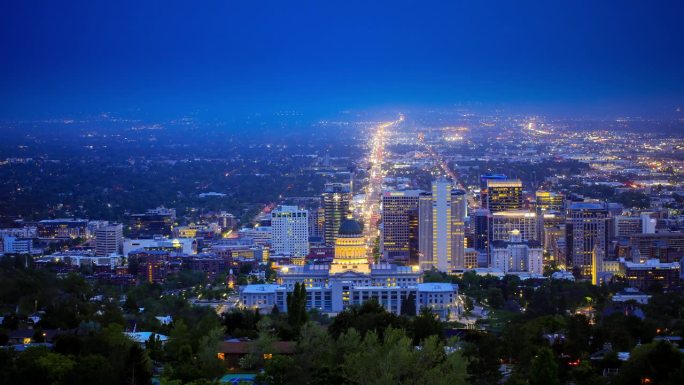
x=341, y=193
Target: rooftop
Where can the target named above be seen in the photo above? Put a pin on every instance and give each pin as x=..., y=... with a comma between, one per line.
x=436, y=287
x=260, y=288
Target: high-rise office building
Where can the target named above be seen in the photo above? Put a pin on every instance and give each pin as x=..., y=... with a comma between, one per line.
x=625, y=226
x=226, y=221
x=479, y=222
x=398, y=207
x=290, y=231
x=459, y=209
x=552, y=229
x=414, y=222
x=109, y=240
x=503, y=222
x=425, y=231
x=153, y=222
x=316, y=223
x=503, y=195
x=549, y=201
x=585, y=230
x=441, y=216
x=336, y=206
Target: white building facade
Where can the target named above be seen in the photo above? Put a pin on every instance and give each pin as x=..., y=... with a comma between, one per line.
x=290, y=231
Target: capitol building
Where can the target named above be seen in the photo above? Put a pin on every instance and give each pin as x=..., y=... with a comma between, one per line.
x=350, y=279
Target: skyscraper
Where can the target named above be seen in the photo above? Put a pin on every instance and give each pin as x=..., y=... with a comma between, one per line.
x=503, y=222
x=585, y=230
x=441, y=216
x=290, y=231
x=479, y=222
x=551, y=230
x=397, y=208
x=109, y=240
x=336, y=206
x=459, y=208
x=549, y=201
x=504, y=195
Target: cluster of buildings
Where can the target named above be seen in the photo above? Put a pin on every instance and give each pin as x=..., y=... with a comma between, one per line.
x=351, y=279
x=498, y=229
x=508, y=231
x=154, y=247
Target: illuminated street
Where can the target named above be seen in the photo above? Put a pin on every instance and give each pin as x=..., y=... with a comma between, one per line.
x=371, y=204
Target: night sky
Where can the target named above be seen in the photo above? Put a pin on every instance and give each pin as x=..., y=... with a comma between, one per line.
x=220, y=58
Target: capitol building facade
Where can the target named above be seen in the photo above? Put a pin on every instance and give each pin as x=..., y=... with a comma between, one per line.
x=352, y=280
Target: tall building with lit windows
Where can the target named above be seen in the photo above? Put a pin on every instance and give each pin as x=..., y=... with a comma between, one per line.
x=549, y=201
x=290, y=231
x=441, y=216
x=585, y=231
x=336, y=198
x=503, y=195
x=503, y=222
x=459, y=209
x=398, y=213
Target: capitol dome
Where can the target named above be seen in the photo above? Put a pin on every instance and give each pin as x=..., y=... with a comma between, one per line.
x=350, y=227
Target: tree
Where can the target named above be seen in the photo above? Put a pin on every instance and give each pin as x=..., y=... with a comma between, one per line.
x=544, y=369
x=370, y=316
x=495, y=298
x=393, y=360
x=40, y=366
x=138, y=367
x=656, y=363
x=296, y=307
x=178, y=339
x=425, y=325
x=155, y=348
x=277, y=371
x=92, y=369
x=207, y=353
x=468, y=304
x=408, y=305
x=482, y=354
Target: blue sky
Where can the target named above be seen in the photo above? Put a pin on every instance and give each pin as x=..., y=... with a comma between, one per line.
x=221, y=58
